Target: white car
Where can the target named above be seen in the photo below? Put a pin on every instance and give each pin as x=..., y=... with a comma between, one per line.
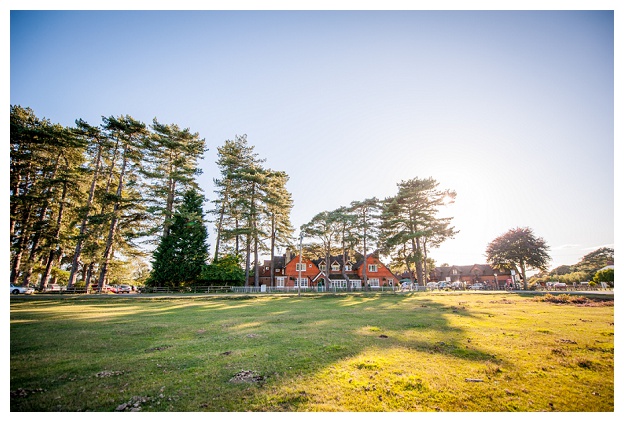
x=477, y=286
x=15, y=290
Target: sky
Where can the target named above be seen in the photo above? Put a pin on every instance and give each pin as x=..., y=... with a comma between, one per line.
x=512, y=109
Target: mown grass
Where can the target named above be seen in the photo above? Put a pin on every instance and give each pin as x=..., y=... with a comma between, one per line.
x=412, y=352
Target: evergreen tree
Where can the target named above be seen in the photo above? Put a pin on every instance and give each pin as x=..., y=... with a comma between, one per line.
x=181, y=256
x=410, y=221
x=171, y=168
x=367, y=220
x=279, y=204
x=233, y=158
x=128, y=212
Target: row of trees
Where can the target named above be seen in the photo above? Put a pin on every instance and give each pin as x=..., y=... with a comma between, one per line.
x=251, y=209
x=87, y=197
x=403, y=227
x=587, y=269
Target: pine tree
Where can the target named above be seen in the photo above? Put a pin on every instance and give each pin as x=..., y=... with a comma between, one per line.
x=410, y=220
x=171, y=167
x=181, y=256
x=279, y=203
x=128, y=203
x=234, y=157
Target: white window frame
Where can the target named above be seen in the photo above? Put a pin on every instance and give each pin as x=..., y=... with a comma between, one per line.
x=373, y=282
x=300, y=267
x=335, y=266
x=280, y=282
x=303, y=281
x=322, y=267
x=348, y=267
x=338, y=284
x=356, y=284
x=372, y=268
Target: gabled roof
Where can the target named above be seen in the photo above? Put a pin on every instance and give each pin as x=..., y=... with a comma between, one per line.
x=361, y=261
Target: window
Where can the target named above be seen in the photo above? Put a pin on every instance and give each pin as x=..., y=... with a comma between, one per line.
x=300, y=267
x=303, y=282
x=279, y=281
x=372, y=268
x=373, y=282
x=348, y=267
x=322, y=267
x=335, y=266
x=356, y=284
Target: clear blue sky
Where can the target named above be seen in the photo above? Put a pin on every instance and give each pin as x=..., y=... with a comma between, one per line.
x=514, y=110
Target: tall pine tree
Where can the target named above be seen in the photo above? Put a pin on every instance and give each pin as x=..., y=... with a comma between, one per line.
x=182, y=255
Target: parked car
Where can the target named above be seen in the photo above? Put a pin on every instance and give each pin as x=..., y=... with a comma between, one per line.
x=457, y=285
x=16, y=290
x=477, y=286
x=55, y=288
x=124, y=288
x=432, y=285
x=444, y=285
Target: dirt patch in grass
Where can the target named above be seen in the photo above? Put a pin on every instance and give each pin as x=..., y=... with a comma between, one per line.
x=565, y=299
x=247, y=376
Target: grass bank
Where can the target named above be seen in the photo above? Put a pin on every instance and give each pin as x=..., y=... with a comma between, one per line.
x=367, y=352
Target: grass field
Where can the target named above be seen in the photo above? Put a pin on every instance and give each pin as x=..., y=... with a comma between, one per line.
x=367, y=352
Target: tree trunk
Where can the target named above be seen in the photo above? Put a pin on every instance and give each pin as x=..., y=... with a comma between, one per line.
x=220, y=227
x=54, y=248
x=272, y=265
x=21, y=245
x=83, y=225
x=247, y=259
x=524, y=278
x=425, y=259
x=113, y=227
x=419, y=263
x=256, y=266
x=344, y=272
x=169, y=205
x=364, y=266
x=34, y=248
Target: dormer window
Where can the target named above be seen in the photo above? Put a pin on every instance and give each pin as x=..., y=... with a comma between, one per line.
x=335, y=266
x=348, y=267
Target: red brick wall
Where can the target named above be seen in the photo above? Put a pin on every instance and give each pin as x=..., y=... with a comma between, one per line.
x=382, y=272
x=291, y=270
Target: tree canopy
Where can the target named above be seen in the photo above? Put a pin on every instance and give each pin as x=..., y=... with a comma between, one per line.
x=519, y=249
x=182, y=255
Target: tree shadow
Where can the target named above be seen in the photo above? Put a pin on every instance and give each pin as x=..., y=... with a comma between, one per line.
x=207, y=340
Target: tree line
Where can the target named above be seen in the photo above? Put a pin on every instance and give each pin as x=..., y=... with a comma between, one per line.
x=85, y=199
x=403, y=227
x=251, y=213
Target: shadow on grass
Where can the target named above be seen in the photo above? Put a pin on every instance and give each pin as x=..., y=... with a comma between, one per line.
x=194, y=346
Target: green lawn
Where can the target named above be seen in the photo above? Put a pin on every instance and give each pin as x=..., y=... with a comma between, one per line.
x=366, y=352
